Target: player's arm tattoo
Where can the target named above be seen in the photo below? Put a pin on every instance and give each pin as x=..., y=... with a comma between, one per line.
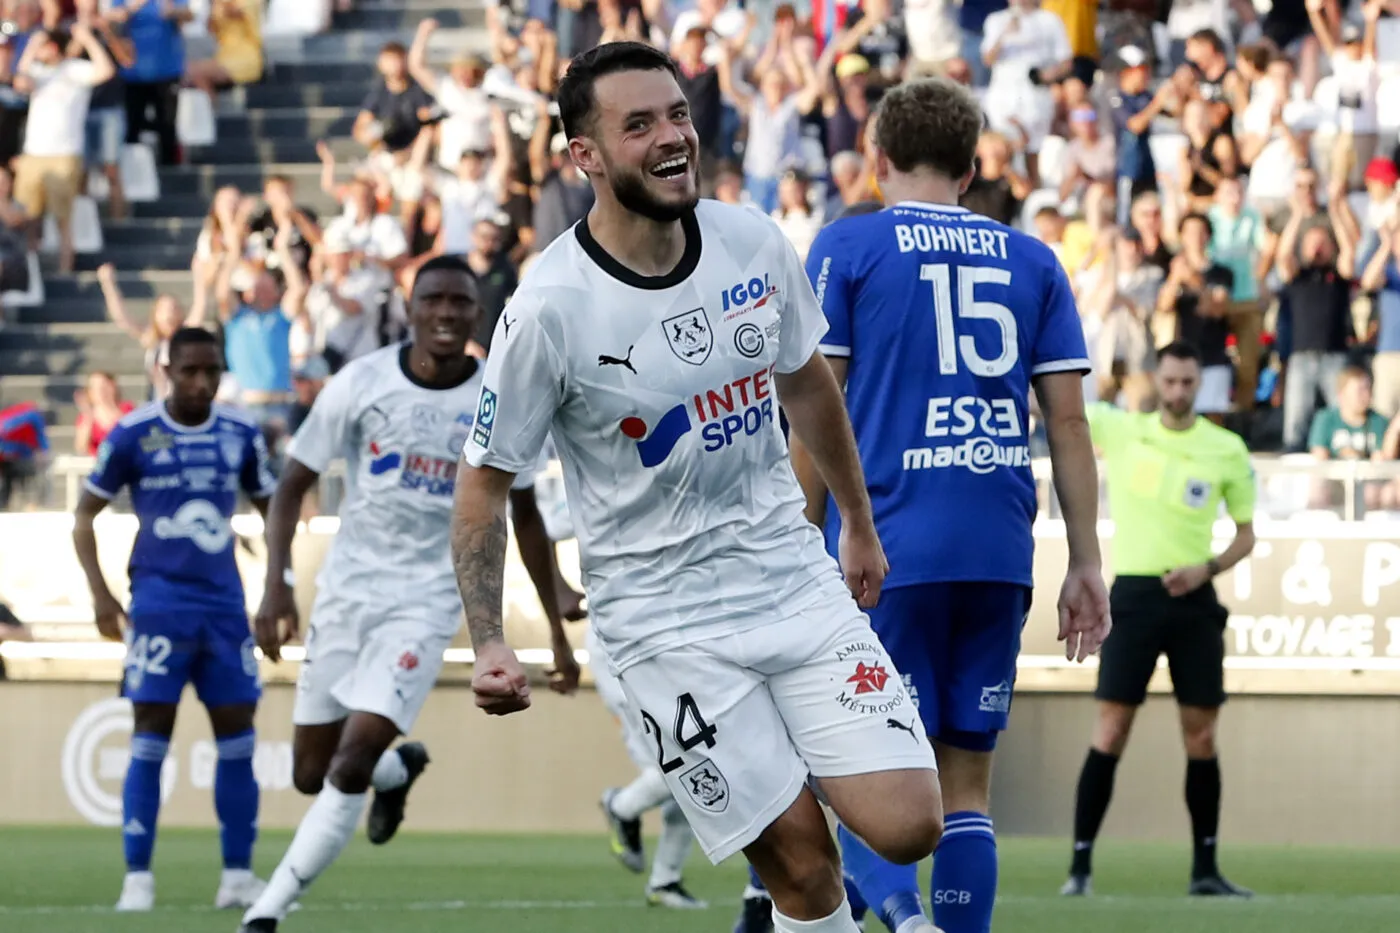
x=479, y=559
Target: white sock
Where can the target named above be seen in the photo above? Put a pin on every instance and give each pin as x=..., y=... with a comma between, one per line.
x=647, y=792
x=673, y=848
x=390, y=772
x=839, y=922
x=321, y=837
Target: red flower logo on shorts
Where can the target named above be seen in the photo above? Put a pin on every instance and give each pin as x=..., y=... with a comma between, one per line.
x=408, y=661
x=868, y=678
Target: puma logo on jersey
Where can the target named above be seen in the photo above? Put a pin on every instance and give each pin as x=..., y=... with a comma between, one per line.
x=605, y=360
x=896, y=724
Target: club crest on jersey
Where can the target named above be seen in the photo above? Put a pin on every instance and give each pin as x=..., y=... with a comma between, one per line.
x=426, y=421
x=457, y=439
x=689, y=336
x=231, y=446
x=707, y=786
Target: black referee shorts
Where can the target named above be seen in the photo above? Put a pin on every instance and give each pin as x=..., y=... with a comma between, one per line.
x=1147, y=622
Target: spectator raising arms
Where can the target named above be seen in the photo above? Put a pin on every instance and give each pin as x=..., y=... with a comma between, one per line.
x=1197, y=291
x=1027, y=49
x=1317, y=266
x=50, y=173
x=106, y=117
x=392, y=116
x=257, y=310
x=788, y=90
x=153, y=80
x=1380, y=265
x=468, y=108
x=167, y=316
x=996, y=191
x=100, y=407
x=477, y=191
x=238, y=57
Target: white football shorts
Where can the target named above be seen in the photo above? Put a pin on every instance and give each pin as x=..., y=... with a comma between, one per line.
x=737, y=723
x=642, y=753
x=387, y=665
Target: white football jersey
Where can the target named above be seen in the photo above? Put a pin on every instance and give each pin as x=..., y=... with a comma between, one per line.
x=660, y=397
x=401, y=442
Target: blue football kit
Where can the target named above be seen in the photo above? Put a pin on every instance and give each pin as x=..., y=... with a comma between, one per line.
x=943, y=318
x=188, y=613
x=187, y=619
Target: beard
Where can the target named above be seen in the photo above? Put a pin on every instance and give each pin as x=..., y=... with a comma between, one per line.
x=630, y=189
x=1180, y=408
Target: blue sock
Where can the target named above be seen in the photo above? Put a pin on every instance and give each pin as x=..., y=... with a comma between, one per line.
x=756, y=882
x=854, y=898
x=236, y=799
x=891, y=890
x=965, y=874
x=141, y=799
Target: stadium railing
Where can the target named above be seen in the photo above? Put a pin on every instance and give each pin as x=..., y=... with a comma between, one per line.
x=1288, y=487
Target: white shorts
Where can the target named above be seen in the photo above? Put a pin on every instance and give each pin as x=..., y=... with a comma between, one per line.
x=386, y=666
x=738, y=723
x=642, y=753
x=1030, y=107
x=1213, y=397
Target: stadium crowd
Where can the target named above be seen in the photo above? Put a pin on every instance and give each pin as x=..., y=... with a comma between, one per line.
x=1205, y=172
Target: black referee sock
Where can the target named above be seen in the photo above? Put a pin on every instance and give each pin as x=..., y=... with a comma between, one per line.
x=1203, y=802
x=1090, y=805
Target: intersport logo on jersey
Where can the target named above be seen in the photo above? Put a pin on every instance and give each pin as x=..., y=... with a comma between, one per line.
x=740, y=408
x=973, y=433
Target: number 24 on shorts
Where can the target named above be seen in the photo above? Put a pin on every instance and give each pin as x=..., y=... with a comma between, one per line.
x=687, y=715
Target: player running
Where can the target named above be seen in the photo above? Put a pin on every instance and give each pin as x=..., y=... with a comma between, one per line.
x=386, y=605
x=184, y=460
x=941, y=321
x=653, y=341
x=623, y=807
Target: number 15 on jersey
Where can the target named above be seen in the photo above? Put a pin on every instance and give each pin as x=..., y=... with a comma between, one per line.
x=950, y=344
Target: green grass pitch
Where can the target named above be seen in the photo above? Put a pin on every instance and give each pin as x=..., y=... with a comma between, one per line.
x=64, y=881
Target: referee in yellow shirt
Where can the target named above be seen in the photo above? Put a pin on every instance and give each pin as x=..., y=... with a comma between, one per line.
x=1167, y=472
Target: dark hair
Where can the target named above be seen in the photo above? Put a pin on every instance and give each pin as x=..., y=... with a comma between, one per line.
x=1196, y=215
x=1258, y=55
x=859, y=208
x=1180, y=350
x=190, y=337
x=1209, y=36
x=934, y=123
x=1350, y=374
x=575, y=94
x=441, y=264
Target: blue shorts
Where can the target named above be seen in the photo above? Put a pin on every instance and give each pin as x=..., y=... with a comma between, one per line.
x=956, y=645
x=214, y=651
x=104, y=134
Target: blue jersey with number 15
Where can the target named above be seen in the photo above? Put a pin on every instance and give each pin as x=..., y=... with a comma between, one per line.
x=944, y=317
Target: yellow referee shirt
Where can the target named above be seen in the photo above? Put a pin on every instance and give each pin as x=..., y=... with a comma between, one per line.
x=1165, y=487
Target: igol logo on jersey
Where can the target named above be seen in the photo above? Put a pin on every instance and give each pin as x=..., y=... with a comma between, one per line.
x=737, y=409
x=734, y=299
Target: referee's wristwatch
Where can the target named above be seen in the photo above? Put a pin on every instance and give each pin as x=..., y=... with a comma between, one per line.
x=1213, y=568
